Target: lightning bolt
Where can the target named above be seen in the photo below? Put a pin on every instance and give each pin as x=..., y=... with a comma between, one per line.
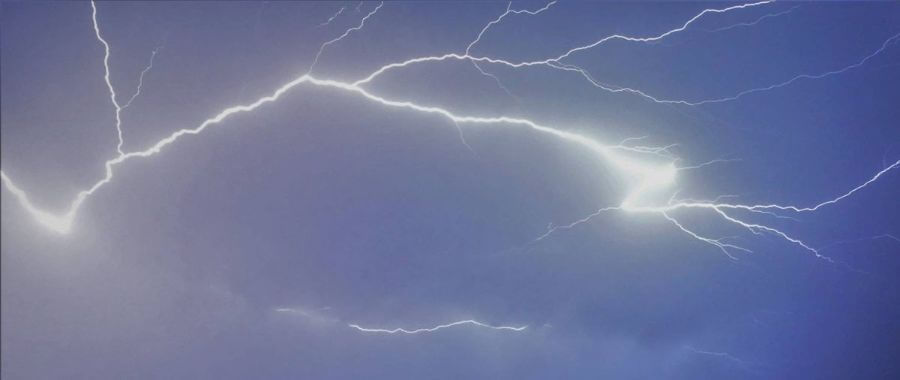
x=438, y=327
x=112, y=91
x=317, y=316
x=650, y=170
x=557, y=64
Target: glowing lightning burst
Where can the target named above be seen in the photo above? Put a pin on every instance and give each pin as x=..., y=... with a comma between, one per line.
x=438, y=327
x=650, y=170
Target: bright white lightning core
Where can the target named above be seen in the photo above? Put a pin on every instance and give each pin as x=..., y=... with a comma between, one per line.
x=650, y=171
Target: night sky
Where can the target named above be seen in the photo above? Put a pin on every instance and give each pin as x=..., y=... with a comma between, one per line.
x=249, y=249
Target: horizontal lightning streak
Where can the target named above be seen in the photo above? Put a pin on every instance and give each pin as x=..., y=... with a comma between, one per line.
x=725, y=355
x=708, y=163
x=438, y=327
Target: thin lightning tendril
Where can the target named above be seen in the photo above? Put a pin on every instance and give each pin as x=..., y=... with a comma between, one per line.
x=553, y=228
x=557, y=64
x=870, y=238
x=362, y=23
x=707, y=163
x=488, y=26
x=553, y=62
x=715, y=242
x=737, y=96
x=754, y=22
x=137, y=92
x=330, y=19
x=724, y=355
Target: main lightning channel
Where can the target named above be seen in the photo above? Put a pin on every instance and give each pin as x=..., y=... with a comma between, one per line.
x=62, y=223
x=650, y=176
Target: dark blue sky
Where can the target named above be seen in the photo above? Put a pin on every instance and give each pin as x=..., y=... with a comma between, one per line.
x=245, y=251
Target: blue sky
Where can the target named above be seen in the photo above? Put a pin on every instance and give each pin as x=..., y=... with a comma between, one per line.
x=248, y=249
